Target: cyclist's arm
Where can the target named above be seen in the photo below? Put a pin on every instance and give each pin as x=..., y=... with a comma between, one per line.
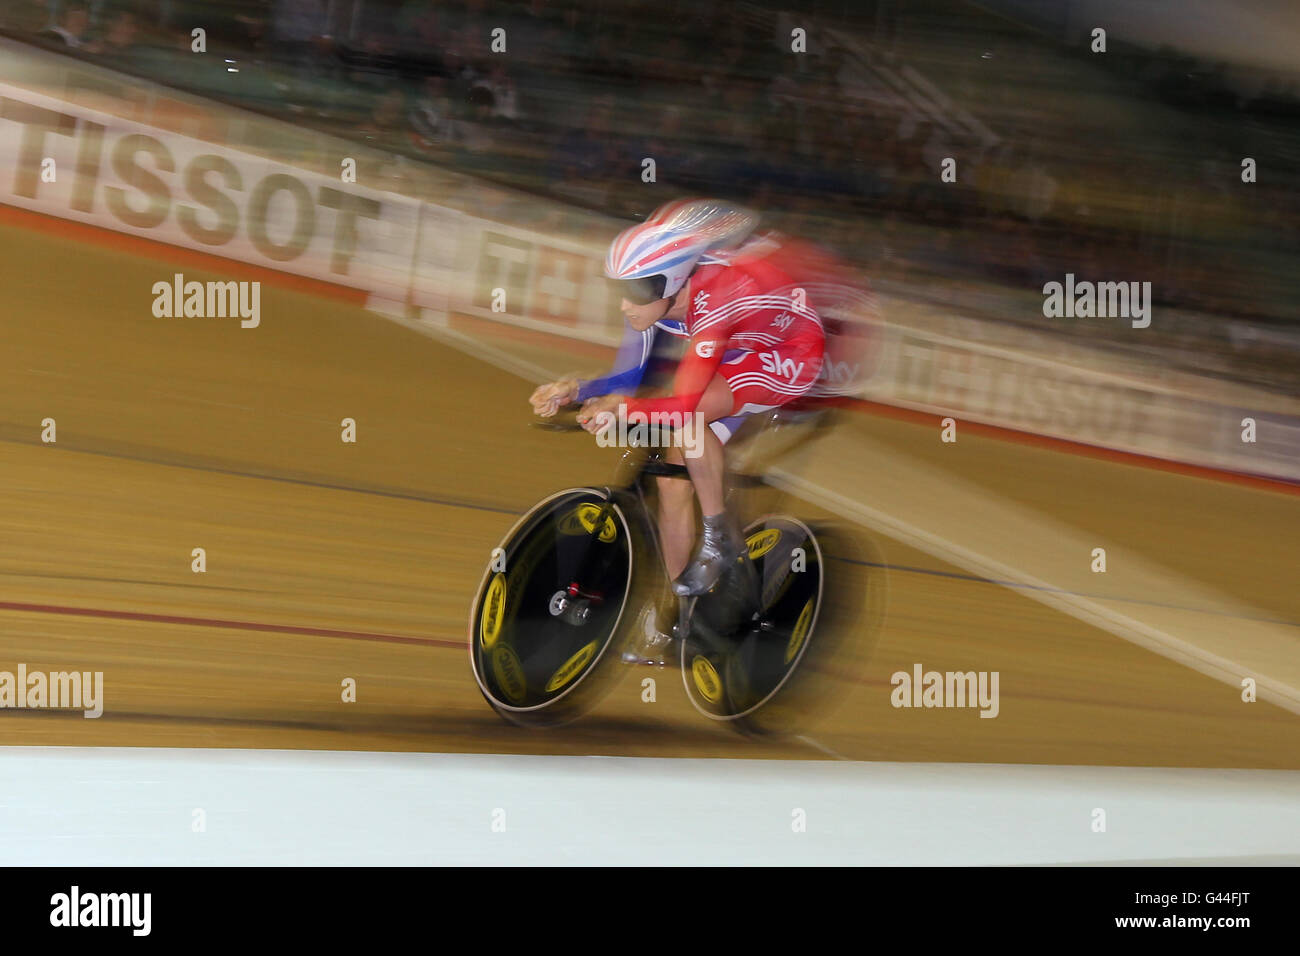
x=629, y=365
x=693, y=376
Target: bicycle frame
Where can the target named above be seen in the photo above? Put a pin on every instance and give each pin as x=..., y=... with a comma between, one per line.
x=633, y=468
x=637, y=464
x=719, y=631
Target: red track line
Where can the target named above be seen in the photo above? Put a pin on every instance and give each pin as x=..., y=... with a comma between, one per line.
x=234, y=625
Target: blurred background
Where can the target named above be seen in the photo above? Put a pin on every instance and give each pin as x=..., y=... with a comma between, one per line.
x=1123, y=165
x=513, y=170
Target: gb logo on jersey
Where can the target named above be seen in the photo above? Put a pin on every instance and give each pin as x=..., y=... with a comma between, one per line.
x=705, y=349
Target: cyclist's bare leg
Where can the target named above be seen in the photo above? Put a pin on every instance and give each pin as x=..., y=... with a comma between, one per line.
x=720, y=542
x=676, y=518
x=708, y=467
x=676, y=537
x=676, y=511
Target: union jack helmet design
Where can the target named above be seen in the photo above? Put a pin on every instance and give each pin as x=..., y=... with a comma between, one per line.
x=671, y=242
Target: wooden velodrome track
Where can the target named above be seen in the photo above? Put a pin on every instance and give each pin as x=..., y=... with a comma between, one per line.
x=328, y=560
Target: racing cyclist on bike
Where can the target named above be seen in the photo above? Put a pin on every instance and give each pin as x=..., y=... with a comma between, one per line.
x=696, y=269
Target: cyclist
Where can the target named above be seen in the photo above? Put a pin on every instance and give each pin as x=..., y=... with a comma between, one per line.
x=697, y=269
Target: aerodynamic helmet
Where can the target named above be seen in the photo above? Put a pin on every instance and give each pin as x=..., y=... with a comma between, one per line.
x=653, y=259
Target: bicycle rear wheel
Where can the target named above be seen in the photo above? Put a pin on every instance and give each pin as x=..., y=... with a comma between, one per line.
x=552, y=604
x=748, y=634
x=765, y=649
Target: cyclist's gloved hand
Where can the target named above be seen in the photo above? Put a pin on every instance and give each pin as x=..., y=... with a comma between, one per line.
x=547, y=399
x=600, y=413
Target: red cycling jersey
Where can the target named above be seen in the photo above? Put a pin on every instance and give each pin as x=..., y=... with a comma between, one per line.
x=751, y=321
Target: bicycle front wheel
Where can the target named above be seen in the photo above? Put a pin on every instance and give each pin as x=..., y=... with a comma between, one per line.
x=552, y=603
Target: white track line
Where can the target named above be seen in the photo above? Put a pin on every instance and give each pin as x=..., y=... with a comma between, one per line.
x=1077, y=606
x=1081, y=608
x=477, y=349
x=836, y=755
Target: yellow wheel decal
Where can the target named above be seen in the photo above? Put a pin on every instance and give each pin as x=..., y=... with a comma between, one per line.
x=706, y=679
x=800, y=631
x=761, y=542
x=494, y=605
x=583, y=519
x=509, y=673
x=571, y=668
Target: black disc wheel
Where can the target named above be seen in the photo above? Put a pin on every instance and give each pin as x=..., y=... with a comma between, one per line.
x=749, y=634
x=553, y=607
x=779, y=639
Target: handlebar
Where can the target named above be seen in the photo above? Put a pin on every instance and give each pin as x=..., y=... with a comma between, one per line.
x=557, y=426
x=567, y=425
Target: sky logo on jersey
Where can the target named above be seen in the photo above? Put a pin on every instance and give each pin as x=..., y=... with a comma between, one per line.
x=781, y=367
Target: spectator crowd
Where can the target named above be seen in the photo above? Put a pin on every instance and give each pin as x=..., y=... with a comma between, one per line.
x=572, y=98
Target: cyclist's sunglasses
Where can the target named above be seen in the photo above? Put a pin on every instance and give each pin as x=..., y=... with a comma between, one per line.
x=642, y=291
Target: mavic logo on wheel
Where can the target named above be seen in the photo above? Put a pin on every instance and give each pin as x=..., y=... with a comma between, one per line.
x=707, y=681
x=571, y=668
x=494, y=605
x=782, y=367
x=509, y=673
x=800, y=631
x=582, y=520
x=762, y=542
